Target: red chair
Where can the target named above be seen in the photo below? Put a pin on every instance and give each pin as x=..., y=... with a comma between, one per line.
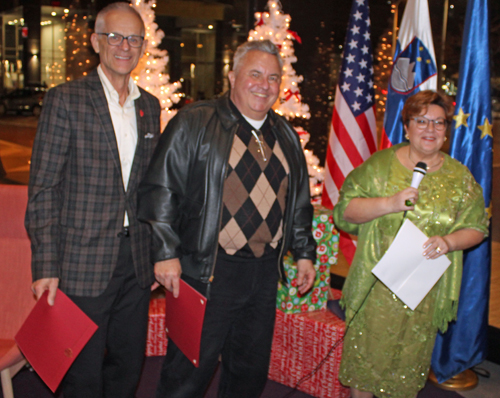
x=16, y=299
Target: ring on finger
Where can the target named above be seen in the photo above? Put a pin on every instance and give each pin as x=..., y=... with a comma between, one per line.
x=438, y=250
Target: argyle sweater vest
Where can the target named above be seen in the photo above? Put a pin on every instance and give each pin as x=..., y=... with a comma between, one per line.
x=254, y=196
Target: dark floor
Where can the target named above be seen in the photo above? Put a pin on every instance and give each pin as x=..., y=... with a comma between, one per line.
x=28, y=385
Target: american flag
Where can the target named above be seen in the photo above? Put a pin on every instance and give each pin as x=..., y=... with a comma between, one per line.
x=353, y=134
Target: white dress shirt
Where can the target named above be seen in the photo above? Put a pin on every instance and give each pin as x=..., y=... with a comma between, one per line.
x=124, y=123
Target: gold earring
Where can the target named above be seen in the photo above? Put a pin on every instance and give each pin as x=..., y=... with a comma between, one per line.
x=445, y=138
x=407, y=137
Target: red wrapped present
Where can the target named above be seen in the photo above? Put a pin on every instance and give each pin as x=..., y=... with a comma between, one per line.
x=301, y=342
x=157, y=337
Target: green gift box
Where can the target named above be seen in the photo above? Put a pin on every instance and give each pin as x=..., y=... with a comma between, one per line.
x=289, y=299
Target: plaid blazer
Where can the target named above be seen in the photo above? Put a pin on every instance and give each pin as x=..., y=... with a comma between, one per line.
x=76, y=198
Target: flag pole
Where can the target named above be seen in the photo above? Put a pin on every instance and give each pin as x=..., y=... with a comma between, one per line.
x=443, y=45
x=464, y=381
x=395, y=26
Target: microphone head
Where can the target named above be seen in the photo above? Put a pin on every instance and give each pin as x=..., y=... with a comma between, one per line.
x=421, y=167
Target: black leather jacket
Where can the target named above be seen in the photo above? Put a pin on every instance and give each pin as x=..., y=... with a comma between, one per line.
x=181, y=194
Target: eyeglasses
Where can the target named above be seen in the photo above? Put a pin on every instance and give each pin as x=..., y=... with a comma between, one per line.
x=115, y=39
x=422, y=123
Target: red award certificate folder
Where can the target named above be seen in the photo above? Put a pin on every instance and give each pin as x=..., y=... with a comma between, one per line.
x=184, y=320
x=53, y=336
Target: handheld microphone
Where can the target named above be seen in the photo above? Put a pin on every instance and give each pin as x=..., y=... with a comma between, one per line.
x=418, y=173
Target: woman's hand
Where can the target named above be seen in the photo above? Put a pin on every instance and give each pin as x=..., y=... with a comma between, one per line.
x=361, y=210
x=462, y=239
x=436, y=246
x=397, y=202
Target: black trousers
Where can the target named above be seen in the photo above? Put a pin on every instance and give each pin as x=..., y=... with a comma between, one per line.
x=238, y=327
x=110, y=364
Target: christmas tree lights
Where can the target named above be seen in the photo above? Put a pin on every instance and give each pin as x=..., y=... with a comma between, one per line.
x=274, y=25
x=79, y=56
x=151, y=71
x=383, y=67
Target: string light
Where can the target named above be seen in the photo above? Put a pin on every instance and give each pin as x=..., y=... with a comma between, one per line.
x=384, y=58
x=274, y=26
x=151, y=69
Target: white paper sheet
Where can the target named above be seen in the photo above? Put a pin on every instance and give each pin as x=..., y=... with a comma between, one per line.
x=405, y=271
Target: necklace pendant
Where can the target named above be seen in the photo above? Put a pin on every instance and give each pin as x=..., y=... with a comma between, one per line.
x=260, y=141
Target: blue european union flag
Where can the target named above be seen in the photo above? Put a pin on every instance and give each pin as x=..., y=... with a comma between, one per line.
x=465, y=343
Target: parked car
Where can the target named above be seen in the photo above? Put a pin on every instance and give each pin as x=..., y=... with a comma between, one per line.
x=27, y=99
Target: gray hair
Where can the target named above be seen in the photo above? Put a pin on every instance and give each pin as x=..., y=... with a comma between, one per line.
x=120, y=5
x=256, y=45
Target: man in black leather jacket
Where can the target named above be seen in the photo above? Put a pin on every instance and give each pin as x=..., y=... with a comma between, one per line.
x=227, y=195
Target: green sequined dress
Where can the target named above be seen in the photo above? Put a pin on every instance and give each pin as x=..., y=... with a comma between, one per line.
x=388, y=347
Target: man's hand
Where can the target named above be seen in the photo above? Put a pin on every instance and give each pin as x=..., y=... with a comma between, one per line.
x=39, y=286
x=306, y=275
x=168, y=273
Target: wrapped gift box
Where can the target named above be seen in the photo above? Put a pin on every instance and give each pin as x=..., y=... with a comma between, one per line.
x=157, y=337
x=301, y=342
x=327, y=239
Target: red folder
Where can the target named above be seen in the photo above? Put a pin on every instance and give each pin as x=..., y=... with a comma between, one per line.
x=53, y=336
x=184, y=320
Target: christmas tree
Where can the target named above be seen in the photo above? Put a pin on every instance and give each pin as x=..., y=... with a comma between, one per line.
x=274, y=26
x=151, y=71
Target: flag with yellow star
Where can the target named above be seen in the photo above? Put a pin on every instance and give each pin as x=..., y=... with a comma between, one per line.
x=414, y=68
x=465, y=343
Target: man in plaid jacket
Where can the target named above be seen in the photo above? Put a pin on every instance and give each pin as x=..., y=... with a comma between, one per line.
x=94, y=141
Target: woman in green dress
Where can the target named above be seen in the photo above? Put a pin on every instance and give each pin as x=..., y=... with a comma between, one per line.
x=388, y=347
